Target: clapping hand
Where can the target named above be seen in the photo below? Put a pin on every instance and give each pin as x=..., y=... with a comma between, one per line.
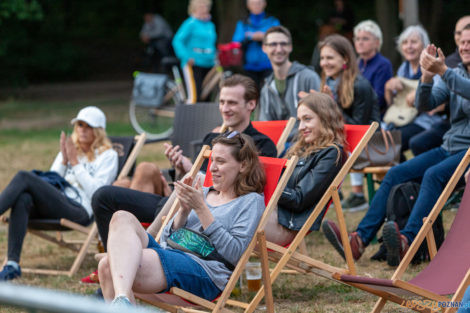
x=177, y=160
x=71, y=151
x=190, y=197
x=432, y=63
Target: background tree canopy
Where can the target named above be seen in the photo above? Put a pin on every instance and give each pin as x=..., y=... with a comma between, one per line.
x=50, y=40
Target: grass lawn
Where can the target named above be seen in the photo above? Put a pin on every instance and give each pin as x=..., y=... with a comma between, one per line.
x=29, y=139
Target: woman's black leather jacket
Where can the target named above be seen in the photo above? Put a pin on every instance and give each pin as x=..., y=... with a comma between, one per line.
x=309, y=181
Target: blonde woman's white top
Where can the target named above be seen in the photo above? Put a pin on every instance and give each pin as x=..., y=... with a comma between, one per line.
x=87, y=176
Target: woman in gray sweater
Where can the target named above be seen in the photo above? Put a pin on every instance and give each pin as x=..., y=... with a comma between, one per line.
x=227, y=213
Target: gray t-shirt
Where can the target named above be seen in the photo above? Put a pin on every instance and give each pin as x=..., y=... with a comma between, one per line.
x=232, y=230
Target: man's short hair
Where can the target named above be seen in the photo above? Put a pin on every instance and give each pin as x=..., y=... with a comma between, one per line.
x=251, y=89
x=370, y=27
x=278, y=29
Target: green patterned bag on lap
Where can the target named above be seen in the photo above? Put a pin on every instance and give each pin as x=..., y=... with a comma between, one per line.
x=187, y=240
x=190, y=241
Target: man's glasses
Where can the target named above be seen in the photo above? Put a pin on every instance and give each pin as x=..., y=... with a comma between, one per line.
x=283, y=44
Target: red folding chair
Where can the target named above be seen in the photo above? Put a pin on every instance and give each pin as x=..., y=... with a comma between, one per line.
x=277, y=131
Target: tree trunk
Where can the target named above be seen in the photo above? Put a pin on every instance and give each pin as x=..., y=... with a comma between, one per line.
x=228, y=13
x=387, y=15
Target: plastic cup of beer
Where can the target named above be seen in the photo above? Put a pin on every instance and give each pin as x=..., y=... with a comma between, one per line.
x=253, y=275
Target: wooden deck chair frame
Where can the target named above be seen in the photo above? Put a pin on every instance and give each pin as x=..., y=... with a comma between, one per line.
x=81, y=247
x=287, y=125
x=396, y=283
x=223, y=300
x=299, y=262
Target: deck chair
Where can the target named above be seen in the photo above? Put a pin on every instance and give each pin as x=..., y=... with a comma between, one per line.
x=448, y=271
x=272, y=191
x=357, y=137
x=277, y=131
x=128, y=148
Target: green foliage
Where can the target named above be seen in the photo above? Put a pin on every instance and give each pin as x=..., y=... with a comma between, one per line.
x=20, y=9
x=50, y=40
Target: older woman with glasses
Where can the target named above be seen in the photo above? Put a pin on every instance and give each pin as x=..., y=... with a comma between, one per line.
x=226, y=213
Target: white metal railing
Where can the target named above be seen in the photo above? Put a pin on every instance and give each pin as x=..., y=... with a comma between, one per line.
x=38, y=299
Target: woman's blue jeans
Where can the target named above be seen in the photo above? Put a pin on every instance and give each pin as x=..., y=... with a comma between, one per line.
x=434, y=167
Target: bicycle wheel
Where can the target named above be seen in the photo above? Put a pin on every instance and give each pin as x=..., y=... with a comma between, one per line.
x=156, y=122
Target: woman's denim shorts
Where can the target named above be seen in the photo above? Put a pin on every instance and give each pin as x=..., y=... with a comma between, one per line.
x=183, y=272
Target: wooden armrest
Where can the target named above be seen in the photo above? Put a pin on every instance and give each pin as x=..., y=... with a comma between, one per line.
x=431, y=241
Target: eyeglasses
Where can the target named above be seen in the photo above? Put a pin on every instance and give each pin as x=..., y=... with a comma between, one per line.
x=236, y=134
x=283, y=44
x=362, y=38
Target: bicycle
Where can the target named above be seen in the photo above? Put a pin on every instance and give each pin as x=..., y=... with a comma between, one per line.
x=152, y=111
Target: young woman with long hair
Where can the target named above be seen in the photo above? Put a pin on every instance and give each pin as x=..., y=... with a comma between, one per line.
x=319, y=146
x=353, y=93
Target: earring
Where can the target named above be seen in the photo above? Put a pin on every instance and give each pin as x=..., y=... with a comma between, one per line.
x=345, y=66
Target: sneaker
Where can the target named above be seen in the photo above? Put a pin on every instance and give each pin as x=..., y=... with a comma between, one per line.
x=395, y=243
x=121, y=301
x=91, y=279
x=10, y=272
x=354, y=203
x=332, y=233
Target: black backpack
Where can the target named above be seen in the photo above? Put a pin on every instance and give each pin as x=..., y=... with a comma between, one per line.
x=400, y=201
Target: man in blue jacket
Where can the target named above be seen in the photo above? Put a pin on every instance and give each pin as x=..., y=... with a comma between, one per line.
x=434, y=167
x=250, y=33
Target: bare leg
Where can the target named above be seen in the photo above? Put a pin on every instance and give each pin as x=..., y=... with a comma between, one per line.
x=147, y=178
x=357, y=189
x=277, y=233
x=126, y=242
x=106, y=280
x=123, y=182
x=150, y=277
